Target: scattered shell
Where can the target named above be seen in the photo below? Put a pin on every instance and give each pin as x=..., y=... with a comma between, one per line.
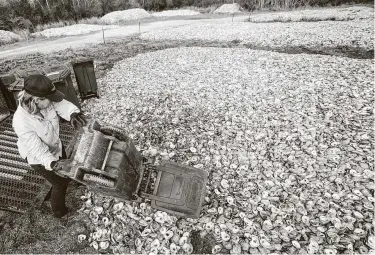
x=230, y=200
x=173, y=248
x=188, y=248
x=98, y=209
x=296, y=244
x=279, y=154
x=118, y=206
x=104, y=245
x=81, y=238
x=224, y=236
x=95, y=245
x=216, y=249
x=155, y=244
x=224, y=183
x=146, y=232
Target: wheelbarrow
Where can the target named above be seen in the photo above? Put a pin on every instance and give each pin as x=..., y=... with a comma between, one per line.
x=104, y=158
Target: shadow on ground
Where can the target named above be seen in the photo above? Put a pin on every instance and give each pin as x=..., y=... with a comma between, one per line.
x=38, y=231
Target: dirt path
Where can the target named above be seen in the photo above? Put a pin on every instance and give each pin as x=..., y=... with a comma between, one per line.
x=50, y=45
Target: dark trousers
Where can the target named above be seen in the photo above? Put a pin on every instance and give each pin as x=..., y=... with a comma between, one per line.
x=59, y=186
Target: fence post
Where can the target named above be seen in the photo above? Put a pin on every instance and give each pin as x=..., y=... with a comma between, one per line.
x=103, y=34
x=139, y=27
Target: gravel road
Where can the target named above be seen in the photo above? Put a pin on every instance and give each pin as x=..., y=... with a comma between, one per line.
x=48, y=46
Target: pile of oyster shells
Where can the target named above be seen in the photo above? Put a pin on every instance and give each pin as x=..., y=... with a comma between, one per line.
x=337, y=14
x=285, y=138
x=311, y=35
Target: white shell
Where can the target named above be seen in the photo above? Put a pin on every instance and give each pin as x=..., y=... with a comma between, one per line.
x=188, y=248
x=104, y=245
x=182, y=240
x=168, y=235
x=220, y=210
x=296, y=244
x=146, y=232
x=224, y=183
x=81, y=238
x=98, y=209
x=265, y=243
x=118, y=206
x=209, y=226
x=216, y=249
x=105, y=221
x=330, y=251
x=212, y=210
x=236, y=249
x=138, y=244
x=155, y=244
x=230, y=200
x=254, y=242
x=224, y=236
x=173, y=248
x=371, y=242
x=95, y=245
x=163, y=230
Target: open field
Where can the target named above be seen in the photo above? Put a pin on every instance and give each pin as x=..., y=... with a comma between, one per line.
x=285, y=131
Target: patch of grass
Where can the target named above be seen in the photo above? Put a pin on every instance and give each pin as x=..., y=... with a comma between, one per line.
x=202, y=245
x=64, y=23
x=209, y=9
x=24, y=33
x=92, y=20
x=38, y=231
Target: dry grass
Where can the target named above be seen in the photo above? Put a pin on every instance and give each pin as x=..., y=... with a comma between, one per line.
x=64, y=23
x=24, y=33
x=38, y=231
x=209, y=9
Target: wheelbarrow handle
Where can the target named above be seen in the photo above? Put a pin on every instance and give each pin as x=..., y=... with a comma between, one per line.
x=63, y=167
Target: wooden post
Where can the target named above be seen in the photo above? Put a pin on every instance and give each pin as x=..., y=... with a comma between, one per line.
x=139, y=27
x=103, y=34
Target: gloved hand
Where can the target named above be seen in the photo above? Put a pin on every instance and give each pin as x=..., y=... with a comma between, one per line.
x=60, y=165
x=77, y=120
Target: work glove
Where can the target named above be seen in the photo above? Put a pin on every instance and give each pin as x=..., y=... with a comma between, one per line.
x=60, y=165
x=77, y=120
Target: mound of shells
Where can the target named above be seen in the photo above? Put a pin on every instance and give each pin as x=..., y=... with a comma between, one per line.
x=76, y=29
x=286, y=140
x=126, y=15
x=295, y=34
x=338, y=14
x=228, y=9
x=8, y=37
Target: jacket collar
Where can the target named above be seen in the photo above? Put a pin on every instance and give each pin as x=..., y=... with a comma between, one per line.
x=24, y=112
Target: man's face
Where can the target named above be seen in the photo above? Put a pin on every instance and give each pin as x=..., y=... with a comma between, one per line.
x=42, y=103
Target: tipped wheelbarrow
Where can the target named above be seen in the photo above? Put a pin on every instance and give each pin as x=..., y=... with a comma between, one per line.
x=105, y=159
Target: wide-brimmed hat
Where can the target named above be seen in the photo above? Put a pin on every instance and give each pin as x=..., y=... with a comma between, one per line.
x=41, y=86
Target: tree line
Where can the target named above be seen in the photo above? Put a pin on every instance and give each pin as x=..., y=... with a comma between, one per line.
x=25, y=14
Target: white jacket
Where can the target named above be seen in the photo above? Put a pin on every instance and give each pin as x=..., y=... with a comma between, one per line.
x=38, y=138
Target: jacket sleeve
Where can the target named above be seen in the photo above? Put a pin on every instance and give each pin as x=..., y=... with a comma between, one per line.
x=65, y=109
x=35, y=147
